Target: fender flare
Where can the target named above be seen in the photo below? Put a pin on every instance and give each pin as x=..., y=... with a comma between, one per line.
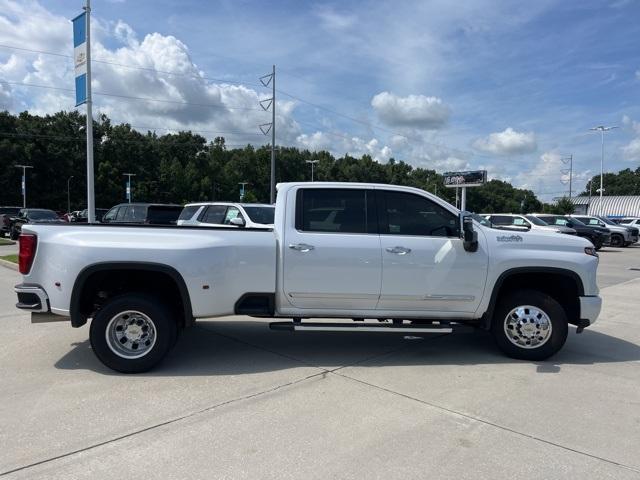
x=487, y=316
x=78, y=319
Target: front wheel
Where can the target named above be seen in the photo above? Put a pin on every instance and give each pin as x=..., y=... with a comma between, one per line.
x=617, y=240
x=132, y=333
x=14, y=234
x=529, y=325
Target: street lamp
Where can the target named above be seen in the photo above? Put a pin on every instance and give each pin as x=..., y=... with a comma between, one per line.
x=24, y=183
x=129, y=175
x=601, y=129
x=69, y=194
x=312, y=162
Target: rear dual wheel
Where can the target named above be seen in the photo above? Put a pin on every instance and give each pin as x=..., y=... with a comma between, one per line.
x=132, y=333
x=529, y=325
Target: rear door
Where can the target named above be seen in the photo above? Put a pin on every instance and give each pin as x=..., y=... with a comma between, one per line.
x=424, y=264
x=331, y=256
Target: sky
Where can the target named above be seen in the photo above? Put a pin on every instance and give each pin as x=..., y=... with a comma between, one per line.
x=510, y=87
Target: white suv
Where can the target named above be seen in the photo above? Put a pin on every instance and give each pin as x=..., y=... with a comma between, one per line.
x=224, y=214
x=529, y=222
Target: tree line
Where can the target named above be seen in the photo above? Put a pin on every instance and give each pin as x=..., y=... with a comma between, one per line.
x=184, y=167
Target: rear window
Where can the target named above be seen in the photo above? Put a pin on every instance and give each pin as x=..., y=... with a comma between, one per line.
x=264, y=215
x=334, y=210
x=165, y=215
x=188, y=212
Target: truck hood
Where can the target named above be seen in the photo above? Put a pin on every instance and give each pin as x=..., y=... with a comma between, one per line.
x=545, y=239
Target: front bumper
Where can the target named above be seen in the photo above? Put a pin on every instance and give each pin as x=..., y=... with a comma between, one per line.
x=589, y=309
x=32, y=298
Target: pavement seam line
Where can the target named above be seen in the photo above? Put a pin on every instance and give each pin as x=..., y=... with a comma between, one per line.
x=489, y=423
x=164, y=423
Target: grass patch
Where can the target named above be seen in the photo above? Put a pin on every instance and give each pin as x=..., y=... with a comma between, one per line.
x=4, y=241
x=10, y=258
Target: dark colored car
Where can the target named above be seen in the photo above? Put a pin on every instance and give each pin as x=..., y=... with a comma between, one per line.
x=595, y=234
x=5, y=218
x=82, y=217
x=143, y=213
x=29, y=216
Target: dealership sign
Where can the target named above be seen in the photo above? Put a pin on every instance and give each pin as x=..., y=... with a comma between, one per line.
x=473, y=178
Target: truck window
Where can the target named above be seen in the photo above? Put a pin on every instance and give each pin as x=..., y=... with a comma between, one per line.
x=501, y=220
x=232, y=212
x=136, y=213
x=409, y=214
x=213, y=214
x=111, y=215
x=188, y=212
x=336, y=210
x=121, y=214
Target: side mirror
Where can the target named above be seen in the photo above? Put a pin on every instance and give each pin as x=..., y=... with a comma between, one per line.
x=569, y=224
x=237, y=221
x=469, y=235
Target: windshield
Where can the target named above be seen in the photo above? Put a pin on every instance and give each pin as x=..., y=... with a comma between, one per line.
x=536, y=221
x=481, y=220
x=43, y=215
x=575, y=221
x=263, y=215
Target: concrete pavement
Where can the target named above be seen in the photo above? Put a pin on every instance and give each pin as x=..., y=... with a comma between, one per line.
x=236, y=400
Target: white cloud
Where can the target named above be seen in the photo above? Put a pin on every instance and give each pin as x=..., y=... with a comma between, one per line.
x=333, y=20
x=340, y=144
x=632, y=150
x=507, y=142
x=414, y=111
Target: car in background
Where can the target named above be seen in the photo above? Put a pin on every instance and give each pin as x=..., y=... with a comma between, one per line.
x=83, y=215
x=143, y=213
x=5, y=218
x=31, y=216
x=633, y=222
x=594, y=233
x=228, y=214
x=621, y=236
x=528, y=221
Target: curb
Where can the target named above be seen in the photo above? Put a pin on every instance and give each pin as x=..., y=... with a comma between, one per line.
x=9, y=265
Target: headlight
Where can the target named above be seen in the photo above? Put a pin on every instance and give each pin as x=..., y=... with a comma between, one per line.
x=591, y=251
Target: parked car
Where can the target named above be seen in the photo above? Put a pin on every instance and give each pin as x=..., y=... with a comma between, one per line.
x=594, y=233
x=529, y=221
x=31, y=216
x=621, y=236
x=341, y=250
x=630, y=222
x=143, y=213
x=83, y=215
x=5, y=219
x=250, y=215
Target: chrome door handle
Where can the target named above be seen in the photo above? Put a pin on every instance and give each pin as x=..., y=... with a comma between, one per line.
x=301, y=247
x=398, y=250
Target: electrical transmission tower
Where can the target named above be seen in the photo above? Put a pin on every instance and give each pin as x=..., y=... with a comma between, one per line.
x=567, y=160
x=266, y=127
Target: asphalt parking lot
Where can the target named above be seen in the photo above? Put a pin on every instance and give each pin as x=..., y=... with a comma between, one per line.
x=236, y=400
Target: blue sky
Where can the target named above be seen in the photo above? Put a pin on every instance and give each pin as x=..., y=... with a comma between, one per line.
x=503, y=85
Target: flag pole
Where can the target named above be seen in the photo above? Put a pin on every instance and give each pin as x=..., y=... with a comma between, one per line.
x=91, y=209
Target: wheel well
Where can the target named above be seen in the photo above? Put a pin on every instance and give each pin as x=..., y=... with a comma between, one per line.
x=563, y=286
x=96, y=285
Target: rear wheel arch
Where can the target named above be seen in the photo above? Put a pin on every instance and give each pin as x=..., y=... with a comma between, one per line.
x=87, y=284
x=543, y=279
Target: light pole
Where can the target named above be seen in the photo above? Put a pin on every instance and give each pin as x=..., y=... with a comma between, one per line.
x=24, y=183
x=69, y=194
x=312, y=162
x=242, y=186
x=601, y=129
x=129, y=175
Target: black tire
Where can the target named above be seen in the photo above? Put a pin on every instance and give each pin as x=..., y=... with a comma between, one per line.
x=14, y=235
x=616, y=240
x=164, y=327
x=542, y=301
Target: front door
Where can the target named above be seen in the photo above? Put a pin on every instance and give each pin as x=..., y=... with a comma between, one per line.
x=332, y=254
x=424, y=264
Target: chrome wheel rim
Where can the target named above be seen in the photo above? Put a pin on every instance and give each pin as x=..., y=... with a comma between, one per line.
x=131, y=334
x=528, y=327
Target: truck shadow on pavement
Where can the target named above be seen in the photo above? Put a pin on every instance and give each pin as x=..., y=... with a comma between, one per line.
x=249, y=347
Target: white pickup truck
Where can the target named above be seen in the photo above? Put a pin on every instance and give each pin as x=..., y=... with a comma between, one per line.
x=397, y=257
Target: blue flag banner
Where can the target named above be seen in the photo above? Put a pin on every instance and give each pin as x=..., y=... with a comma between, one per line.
x=80, y=56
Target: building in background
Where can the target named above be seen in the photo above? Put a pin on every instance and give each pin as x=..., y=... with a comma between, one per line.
x=612, y=206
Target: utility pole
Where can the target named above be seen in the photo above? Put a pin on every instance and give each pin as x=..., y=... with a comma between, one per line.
x=24, y=183
x=69, y=194
x=129, y=175
x=569, y=171
x=266, y=127
x=601, y=129
x=91, y=196
x=242, y=185
x=312, y=162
